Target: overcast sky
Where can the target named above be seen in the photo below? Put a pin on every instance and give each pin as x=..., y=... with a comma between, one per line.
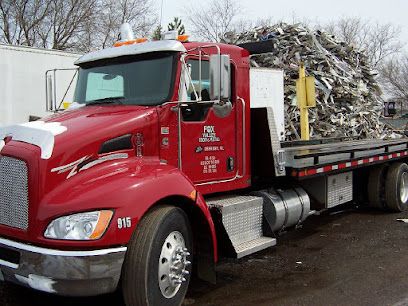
x=390, y=11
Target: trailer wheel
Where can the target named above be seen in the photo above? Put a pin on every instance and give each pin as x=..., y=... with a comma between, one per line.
x=157, y=265
x=396, y=187
x=376, y=187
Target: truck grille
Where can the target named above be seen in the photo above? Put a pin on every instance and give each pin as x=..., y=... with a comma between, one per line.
x=13, y=193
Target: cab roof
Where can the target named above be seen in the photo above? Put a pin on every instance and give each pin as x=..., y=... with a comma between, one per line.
x=156, y=46
x=134, y=49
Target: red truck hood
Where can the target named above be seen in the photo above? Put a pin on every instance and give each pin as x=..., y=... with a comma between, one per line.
x=80, y=134
x=77, y=135
x=88, y=127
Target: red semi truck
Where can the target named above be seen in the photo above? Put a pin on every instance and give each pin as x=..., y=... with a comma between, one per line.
x=171, y=155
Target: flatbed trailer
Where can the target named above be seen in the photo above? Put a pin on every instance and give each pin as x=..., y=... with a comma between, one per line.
x=308, y=160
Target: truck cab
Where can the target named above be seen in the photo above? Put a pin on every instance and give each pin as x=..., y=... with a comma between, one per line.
x=167, y=81
x=153, y=125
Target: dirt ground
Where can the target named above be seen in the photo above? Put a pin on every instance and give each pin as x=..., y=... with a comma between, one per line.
x=356, y=257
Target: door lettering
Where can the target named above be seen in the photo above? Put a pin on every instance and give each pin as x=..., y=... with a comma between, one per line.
x=210, y=164
x=209, y=134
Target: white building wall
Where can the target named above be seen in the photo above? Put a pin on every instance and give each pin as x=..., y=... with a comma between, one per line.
x=22, y=81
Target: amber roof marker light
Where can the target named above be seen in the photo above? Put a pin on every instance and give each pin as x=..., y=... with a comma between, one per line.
x=126, y=36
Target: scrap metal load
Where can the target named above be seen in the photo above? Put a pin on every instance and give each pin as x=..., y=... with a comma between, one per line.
x=348, y=96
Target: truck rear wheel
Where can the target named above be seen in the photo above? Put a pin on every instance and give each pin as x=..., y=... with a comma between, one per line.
x=396, y=187
x=376, y=187
x=157, y=266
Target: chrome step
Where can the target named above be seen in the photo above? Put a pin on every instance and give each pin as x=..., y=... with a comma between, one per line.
x=254, y=246
x=242, y=221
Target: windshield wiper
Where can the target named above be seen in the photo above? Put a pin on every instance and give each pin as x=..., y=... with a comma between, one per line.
x=109, y=100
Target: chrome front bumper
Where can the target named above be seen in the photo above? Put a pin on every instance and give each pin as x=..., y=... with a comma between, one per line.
x=70, y=273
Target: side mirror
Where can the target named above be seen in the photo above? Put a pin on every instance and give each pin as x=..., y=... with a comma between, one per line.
x=219, y=77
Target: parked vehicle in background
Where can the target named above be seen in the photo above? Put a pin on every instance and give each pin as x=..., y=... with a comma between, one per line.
x=389, y=109
x=22, y=79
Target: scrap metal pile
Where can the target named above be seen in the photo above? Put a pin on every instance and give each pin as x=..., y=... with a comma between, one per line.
x=348, y=96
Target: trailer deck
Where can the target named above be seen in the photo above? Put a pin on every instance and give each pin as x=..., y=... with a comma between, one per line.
x=312, y=159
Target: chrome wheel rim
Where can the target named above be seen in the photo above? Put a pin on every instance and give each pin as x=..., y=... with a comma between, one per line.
x=404, y=187
x=173, y=264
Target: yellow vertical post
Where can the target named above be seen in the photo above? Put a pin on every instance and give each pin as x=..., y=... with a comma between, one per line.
x=302, y=103
x=306, y=98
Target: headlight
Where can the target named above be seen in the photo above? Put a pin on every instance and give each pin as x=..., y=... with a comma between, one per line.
x=82, y=226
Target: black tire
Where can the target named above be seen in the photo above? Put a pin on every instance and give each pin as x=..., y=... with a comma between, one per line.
x=140, y=279
x=376, y=187
x=394, y=186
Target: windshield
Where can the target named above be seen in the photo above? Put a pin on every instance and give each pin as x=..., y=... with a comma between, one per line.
x=136, y=80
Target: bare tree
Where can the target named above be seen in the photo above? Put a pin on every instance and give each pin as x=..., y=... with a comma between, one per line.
x=67, y=21
x=350, y=30
x=7, y=27
x=100, y=27
x=139, y=13
x=79, y=25
x=44, y=23
x=212, y=20
x=394, y=78
x=379, y=41
x=20, y=19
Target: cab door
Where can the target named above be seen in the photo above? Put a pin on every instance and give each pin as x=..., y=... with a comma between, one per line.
x=208, y=130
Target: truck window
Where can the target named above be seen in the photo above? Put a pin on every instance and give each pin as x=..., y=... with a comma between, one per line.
x=102, y=85
x=146, y=79
x=205, y=79
x=195, y=76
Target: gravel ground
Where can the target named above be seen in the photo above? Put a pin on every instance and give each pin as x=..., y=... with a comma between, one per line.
x=351, y=258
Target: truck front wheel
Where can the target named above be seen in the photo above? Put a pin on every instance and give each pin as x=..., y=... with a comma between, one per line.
x=396, y=187
x=157, y=266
